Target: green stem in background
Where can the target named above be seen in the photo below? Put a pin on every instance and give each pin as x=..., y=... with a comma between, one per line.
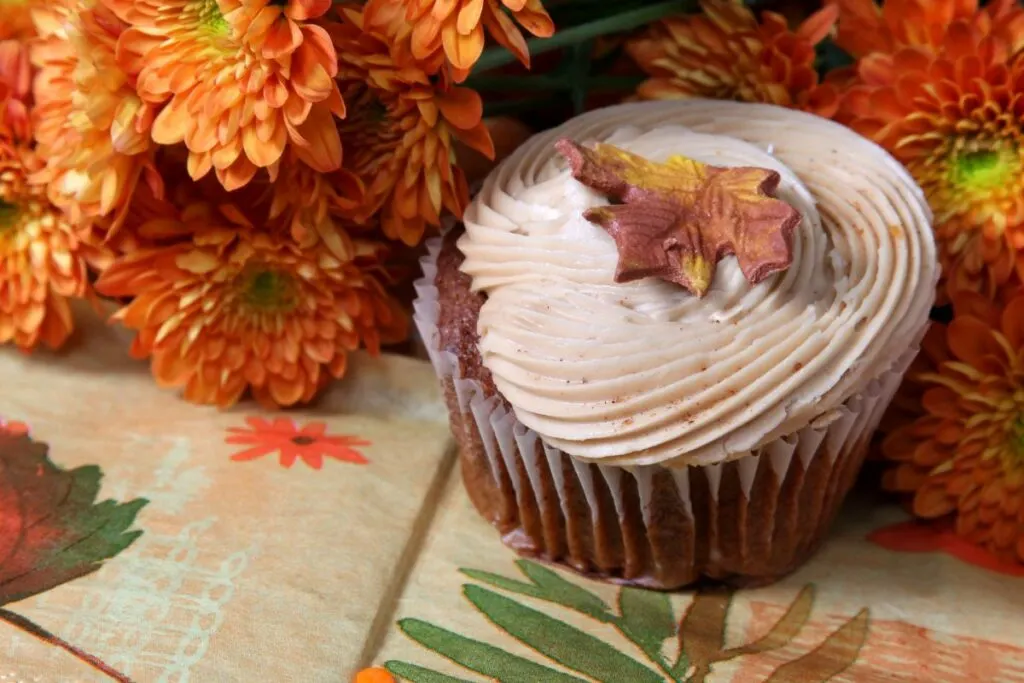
x=572, y=35
x=548, y=82
x=515, y=106
x=33, y=629
x=579, y=69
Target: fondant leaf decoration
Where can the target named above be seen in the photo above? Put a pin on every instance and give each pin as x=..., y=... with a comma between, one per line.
x=677, y=219
x=52, y=530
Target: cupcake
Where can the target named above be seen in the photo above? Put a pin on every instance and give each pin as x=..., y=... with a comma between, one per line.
x=666, y=332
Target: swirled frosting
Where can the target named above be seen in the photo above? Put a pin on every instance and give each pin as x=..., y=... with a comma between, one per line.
x=645, y=372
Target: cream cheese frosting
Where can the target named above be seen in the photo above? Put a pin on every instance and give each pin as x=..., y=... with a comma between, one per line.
x=644, y=372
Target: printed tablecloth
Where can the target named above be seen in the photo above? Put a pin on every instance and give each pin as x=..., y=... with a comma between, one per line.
x=146, y=539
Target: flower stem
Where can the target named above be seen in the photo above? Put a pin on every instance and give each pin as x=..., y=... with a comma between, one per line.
x=626, y=21
x=42, y=634
x=545, y=82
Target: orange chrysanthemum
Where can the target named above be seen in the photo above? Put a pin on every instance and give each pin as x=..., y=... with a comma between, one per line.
x=951, y=110
x=867, y=27
x=455, y=28
x=16, y=19
x=232, y=308
x=238, y=81
x=400, y=133
x=964, y=456
x=727, y=54
x=92, y=129
x=310, y=443
x=15, y=85
x=315, y=205
x=42, y=261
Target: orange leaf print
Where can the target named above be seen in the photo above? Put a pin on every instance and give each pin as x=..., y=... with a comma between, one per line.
x=310, y=443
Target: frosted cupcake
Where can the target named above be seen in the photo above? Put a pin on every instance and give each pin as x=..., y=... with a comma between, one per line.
x=667, y=331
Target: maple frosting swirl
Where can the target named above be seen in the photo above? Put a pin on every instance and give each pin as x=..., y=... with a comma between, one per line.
x=644, y=372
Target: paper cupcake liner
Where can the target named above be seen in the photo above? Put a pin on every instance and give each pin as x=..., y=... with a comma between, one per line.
x=749, y=520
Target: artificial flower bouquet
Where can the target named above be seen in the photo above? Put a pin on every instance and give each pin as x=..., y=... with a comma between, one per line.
x=247, y=180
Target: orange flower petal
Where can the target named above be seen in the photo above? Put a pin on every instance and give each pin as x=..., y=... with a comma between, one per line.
x=816, y=27
x=463, y=50
x=323, y=151
x=1013, y=322
x=468, y=18
x=506, y=34
x=942, y=402
x=479, y=138
x=301, y=10
x=932, y=501
x=461, y=107
x=971, y=340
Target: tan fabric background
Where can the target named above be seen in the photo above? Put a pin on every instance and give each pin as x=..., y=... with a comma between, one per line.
x=248, y=571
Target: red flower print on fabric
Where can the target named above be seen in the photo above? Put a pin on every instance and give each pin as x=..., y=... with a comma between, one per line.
x=309, y=443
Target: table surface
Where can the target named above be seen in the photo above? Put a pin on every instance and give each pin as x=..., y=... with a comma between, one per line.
x=306, y=545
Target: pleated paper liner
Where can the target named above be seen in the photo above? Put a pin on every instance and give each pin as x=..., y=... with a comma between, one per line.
x=747, y=521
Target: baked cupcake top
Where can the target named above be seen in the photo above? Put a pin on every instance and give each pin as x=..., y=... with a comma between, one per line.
x=646, y=372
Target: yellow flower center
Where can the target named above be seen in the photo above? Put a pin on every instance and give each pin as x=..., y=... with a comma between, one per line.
x=1016, y=443
x=269, y=291
x=370, y=131
x=8, y=215
x=985, y=169
x=211, y=18
x=377, y=112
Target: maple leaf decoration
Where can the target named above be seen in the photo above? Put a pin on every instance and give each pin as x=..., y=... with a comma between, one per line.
x=676, y=220
x=52, y=530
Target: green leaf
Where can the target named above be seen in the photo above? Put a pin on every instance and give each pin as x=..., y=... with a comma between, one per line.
x=418, y=674
x=565, y=592
x=829, y=659
x=480, y=657
x=505, y=583
x=546, y=585
x=646, y=619
x=52, y=530
x=559, y=641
